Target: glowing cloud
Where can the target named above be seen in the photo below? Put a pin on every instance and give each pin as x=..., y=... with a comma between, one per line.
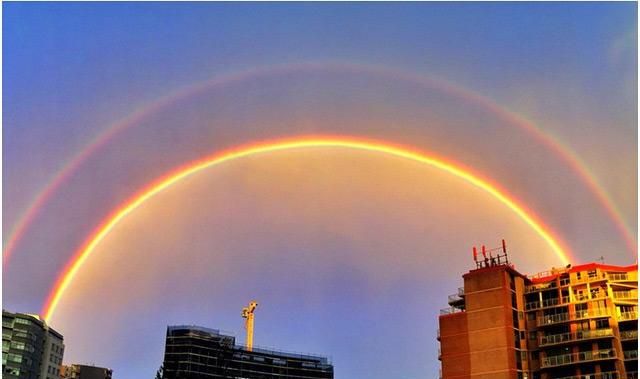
x=85, y=251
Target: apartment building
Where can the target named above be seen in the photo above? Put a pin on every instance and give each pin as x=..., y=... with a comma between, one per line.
x=576, y=322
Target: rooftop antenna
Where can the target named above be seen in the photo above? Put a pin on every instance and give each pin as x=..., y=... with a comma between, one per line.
x=247, y=313
x=601, y=259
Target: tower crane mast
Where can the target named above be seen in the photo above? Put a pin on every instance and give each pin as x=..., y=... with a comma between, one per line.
x=248, y=314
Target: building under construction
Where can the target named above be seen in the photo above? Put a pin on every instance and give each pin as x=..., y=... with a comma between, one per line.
x=577, y=322
x=193, y=352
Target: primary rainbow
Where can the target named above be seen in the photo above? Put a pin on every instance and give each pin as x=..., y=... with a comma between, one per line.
x=85, y=251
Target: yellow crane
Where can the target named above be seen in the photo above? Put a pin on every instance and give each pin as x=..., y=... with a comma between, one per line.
x=248, y=312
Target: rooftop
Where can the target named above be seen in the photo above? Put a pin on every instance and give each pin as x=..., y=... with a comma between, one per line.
x=255, y=350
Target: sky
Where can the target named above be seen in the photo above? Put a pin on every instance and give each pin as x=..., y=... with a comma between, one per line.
x=350, y=254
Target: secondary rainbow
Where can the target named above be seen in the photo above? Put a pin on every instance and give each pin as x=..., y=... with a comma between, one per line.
x=101, y=232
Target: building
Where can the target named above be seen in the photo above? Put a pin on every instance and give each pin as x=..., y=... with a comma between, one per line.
x=195, y=352
x=30, y=348
x=577, y=322
x=85, y=372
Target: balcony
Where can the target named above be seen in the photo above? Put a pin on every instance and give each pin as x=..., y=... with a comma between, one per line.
x=630, y=355
x=625, y=295
x=601, y=375
x=546, y=303
x=540, y=287
x=628, y=335
x=587, y=356
x=592, y=313
x=553, y=319
x=556, y=339
x=450, y=310
x=591, y=278
x=620, y=277
x=586, y=297
x=632, y=375
x=628, y=316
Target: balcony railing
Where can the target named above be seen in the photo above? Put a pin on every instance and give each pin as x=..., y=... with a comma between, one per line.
x=540, y=287
x=601, y=375
x=577, y=336
x=619, y=277
x=595, y=312
x=630, y=354
x=586, y=297
x=547, y=303
x=591, y=278
x=626, y=316
x=565, y=359
x=625, y=295
x=553, y=319
x=629, y=335
x=450, y=310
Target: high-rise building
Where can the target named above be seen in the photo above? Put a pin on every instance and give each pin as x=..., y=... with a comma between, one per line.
x=194, y=352
x=76, y=371
x=577, y=322
x=30, y=348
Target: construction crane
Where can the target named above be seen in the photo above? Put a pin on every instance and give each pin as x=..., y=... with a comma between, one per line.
x=247, y=313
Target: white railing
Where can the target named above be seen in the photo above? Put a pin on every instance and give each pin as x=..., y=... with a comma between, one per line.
x=564, y=359
x=450, y=310
x=601, y=375
x=553, y=319
x=576, y=336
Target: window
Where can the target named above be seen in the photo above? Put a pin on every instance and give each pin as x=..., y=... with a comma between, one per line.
x=17, y=345
x=14, y=358
x=532, y=335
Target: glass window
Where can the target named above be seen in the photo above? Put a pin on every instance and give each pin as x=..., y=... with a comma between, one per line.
x=14, y=358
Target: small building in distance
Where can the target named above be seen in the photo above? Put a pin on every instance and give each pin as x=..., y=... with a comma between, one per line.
x=195, y=352
x=571, y=323
x=30, y=348
x=76, y=371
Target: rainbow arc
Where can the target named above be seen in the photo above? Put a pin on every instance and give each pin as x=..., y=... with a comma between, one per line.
x=467, y=175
